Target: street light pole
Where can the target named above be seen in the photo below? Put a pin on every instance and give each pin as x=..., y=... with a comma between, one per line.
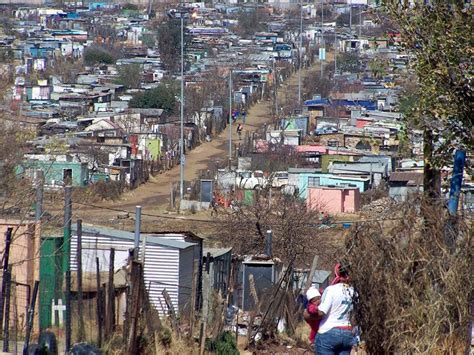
x=322, y=39
x=350, y=18
x=230, y=118
x=335, y=49
x=300, y=45
x=181, y=114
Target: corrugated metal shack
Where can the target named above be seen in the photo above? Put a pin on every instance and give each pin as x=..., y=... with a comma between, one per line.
x=171, y=260
x=219, y=262
x=259, y=273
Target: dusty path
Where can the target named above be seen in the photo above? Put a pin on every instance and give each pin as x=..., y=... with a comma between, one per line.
x=154, y=195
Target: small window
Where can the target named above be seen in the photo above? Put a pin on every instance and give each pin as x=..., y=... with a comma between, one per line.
x=67, y=176
x=314, y=181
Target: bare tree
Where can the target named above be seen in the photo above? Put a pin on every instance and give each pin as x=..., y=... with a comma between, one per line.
x=294, y=226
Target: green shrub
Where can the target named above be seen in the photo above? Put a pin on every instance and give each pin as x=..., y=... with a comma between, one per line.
x=165, y=337
x=97, y=55
x=223, y=345
x=160, y=97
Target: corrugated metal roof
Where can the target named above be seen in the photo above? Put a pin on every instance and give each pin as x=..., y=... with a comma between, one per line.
x=216, y=252
x=320, y=276
x=129, y=236
x=400, y=176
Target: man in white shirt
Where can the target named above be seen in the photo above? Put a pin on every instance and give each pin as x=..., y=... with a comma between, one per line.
x=335, y=331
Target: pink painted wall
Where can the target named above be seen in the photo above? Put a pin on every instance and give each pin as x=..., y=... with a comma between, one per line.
x=334, y=200
x=351, y=201
x=360, y=123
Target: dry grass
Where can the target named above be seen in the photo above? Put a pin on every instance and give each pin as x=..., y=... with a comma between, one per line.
x=413, y=277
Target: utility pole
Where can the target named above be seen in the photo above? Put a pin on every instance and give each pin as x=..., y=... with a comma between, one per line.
x=138, y=226
x=181, y=114
x=275, y=89
x=322, y=39
x=66, y=254
x=79, y=281
x=230, y=118
x=67, y=227
x=335, y=49
x=350, y=18
x=6, y=256
x=360, y=20
x=39, y=195
x=299, y=51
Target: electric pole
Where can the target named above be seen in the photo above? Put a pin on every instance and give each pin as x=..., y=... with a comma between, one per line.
x=300, y=57
x=230, y=118
x=181, y=115
x=323, y=54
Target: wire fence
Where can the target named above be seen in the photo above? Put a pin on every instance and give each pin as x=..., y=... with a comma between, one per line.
x=16, y=299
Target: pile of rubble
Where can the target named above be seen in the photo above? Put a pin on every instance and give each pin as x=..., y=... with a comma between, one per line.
x=379, y=207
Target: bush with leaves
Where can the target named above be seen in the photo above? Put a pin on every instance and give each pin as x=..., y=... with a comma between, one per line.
x=439, y=37
x=251, y=22
x=169, y=43
x=97, y=55
x=130, y=75
x=223, y=345
x=349, y=62
x=162, y=96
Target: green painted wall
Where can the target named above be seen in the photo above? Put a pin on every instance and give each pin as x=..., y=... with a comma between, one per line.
x=326, y=159
x=154, y=146
x=50, y=277
x=54, y=170
x=248, y=197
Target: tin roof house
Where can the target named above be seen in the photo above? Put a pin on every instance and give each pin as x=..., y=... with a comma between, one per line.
x=170, y=261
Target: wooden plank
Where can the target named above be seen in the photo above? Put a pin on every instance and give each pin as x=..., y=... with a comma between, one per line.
x=309, y=280
x=110, y=314
x=99, y=301
x=136, y=284
x=172, y=313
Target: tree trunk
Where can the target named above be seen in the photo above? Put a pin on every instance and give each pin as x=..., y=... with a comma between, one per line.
x=431, y=174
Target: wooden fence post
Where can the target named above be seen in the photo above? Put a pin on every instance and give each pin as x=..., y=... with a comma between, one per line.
x=136, y=282
x=6, y=327
x=80, y=314
x=6, y=254
x=110, y=315
x=99, y=308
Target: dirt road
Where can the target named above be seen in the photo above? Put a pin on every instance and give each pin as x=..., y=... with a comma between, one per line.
x=154, y=195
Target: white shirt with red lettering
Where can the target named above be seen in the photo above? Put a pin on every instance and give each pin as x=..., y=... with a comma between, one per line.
x=336, y=303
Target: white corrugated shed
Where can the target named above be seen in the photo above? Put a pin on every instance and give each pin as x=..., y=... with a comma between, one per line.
x=165, y=260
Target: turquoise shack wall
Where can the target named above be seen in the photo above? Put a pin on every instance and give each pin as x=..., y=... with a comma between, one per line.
x=54, y=170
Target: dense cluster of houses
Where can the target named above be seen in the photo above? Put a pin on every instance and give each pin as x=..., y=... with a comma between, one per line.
x=347, y=142
x=87, y=130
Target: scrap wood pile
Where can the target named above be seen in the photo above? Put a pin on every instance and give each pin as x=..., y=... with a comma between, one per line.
x=383, y=206
x=276, y=312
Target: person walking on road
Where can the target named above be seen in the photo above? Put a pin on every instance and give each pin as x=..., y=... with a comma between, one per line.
x=240, y=128
x=335, y=336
